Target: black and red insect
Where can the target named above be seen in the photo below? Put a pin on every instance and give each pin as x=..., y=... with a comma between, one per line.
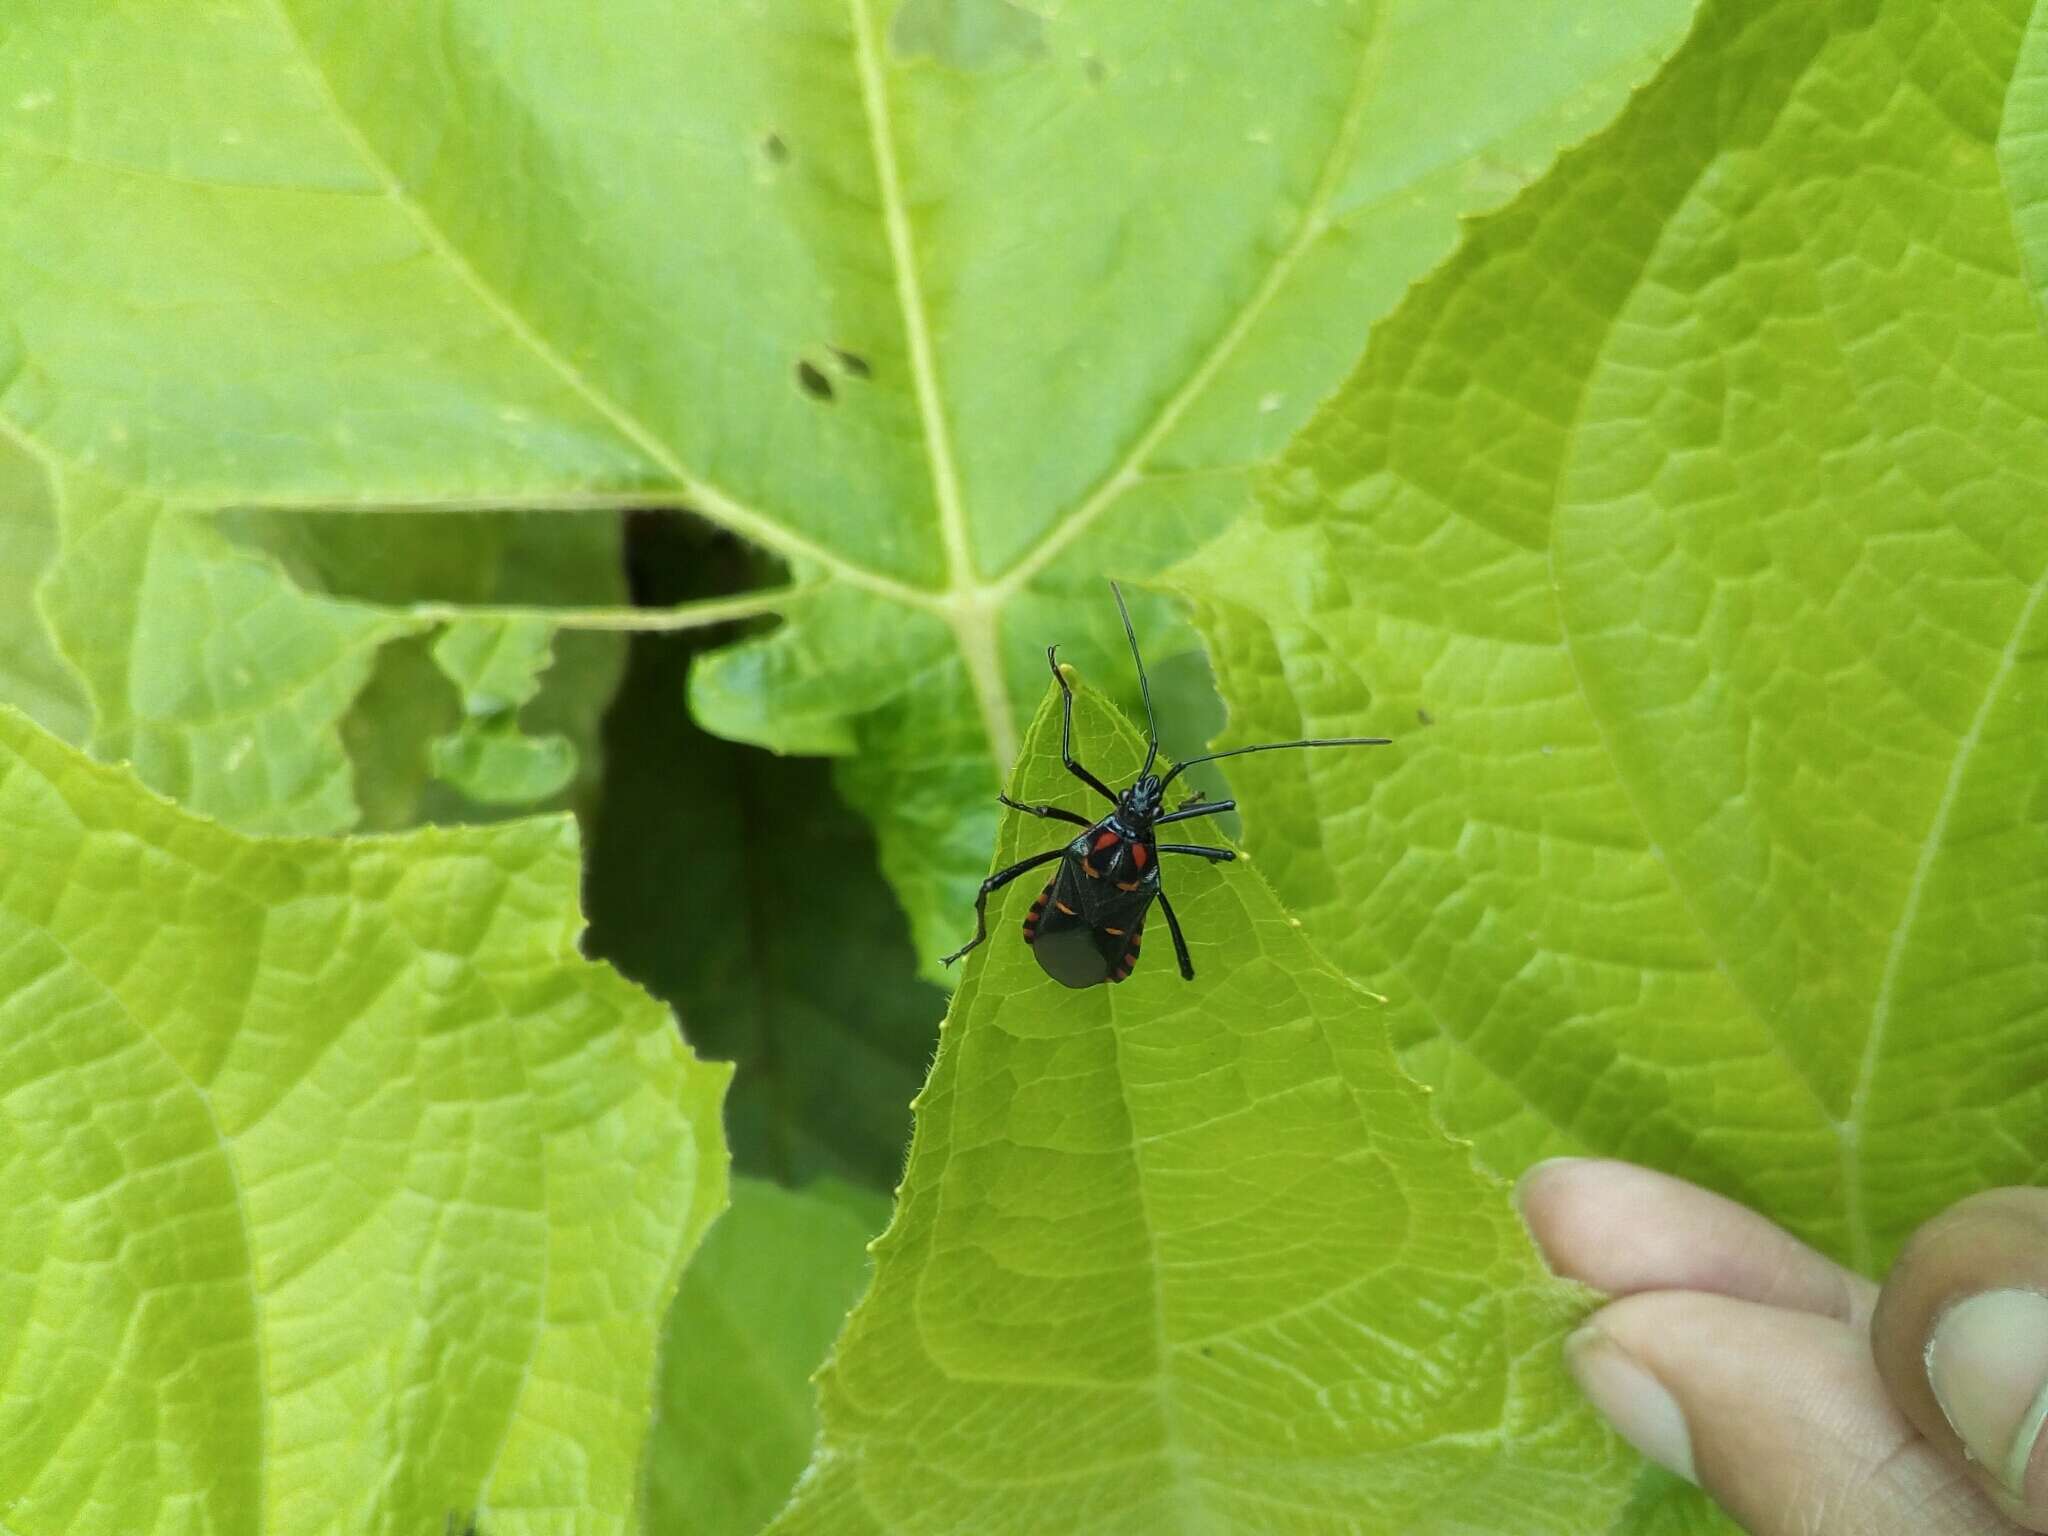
x=1088, y=923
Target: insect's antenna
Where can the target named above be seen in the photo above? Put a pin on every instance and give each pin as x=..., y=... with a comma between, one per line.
x=1144, y=686
x=1276, y=746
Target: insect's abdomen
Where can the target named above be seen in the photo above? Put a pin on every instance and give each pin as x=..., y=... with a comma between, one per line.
x=1129, y=957
x=1038, y=911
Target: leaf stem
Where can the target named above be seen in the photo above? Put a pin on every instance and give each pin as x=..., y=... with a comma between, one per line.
x=696, y=615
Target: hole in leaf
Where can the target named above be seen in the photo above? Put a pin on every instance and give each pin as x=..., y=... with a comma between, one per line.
x=812, y=381
x=774, y=148
x=1094, y=69
x=855, y=366
x=1424, y=717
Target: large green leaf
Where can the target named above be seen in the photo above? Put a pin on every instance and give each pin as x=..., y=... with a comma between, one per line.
x=760, y=1305
x=952, y=304
x=1193, y=1258
x=1688, y=529
x=339, y=1194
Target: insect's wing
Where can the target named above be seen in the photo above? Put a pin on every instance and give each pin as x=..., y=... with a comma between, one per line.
x=1071, y=949
x=1065, y=944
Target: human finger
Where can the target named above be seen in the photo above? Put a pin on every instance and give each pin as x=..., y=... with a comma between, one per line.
x=1961, y=1339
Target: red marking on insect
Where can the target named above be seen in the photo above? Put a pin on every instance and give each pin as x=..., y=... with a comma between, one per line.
x=1106, y=840
x=1138, y=854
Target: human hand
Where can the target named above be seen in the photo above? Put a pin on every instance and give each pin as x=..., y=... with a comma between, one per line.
x=1801, y=1396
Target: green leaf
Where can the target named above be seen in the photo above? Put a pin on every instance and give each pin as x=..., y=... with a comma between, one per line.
x=1687, y=529
x=967, y=34
x=954, y=306
x=737, y=887
x=491, y=762
x=1666, y=1505
x=1174, y=1257
x=220, y=680
x=33, y=676
x=481, y=575
x=760, y=1306
x=339, y=1193
x=496, y=664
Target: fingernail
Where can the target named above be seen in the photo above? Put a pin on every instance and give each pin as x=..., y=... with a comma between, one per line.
x=1988, y=1365
x=1631, y=1399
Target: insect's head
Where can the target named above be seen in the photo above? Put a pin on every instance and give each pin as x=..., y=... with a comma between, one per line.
x=1139, y=804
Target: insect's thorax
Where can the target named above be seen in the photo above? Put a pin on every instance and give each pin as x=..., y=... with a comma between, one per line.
x=1111, y=867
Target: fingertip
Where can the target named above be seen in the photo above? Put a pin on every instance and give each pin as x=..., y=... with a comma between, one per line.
x=1534, y=1176
x=1625, y=1229
x=1987, y=1363
x=1780, y=1414
x=1960, y=1336
x=1631, y=1398
x=1553, y=1196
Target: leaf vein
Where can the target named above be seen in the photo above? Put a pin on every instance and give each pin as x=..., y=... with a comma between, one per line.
x=1313, y=224
x=1909, y=915
x=709, y=500
x=972, y=618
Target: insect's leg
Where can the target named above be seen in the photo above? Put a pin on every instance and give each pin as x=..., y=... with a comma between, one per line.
x=992, y=884
x=1200, y=851
x=1051, y=812
x=1052, y=657
x=1190, y=812
x=1180, y=944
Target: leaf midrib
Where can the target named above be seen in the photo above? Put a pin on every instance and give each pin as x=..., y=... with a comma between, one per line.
x=973, y=623
x=1182, y=1478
